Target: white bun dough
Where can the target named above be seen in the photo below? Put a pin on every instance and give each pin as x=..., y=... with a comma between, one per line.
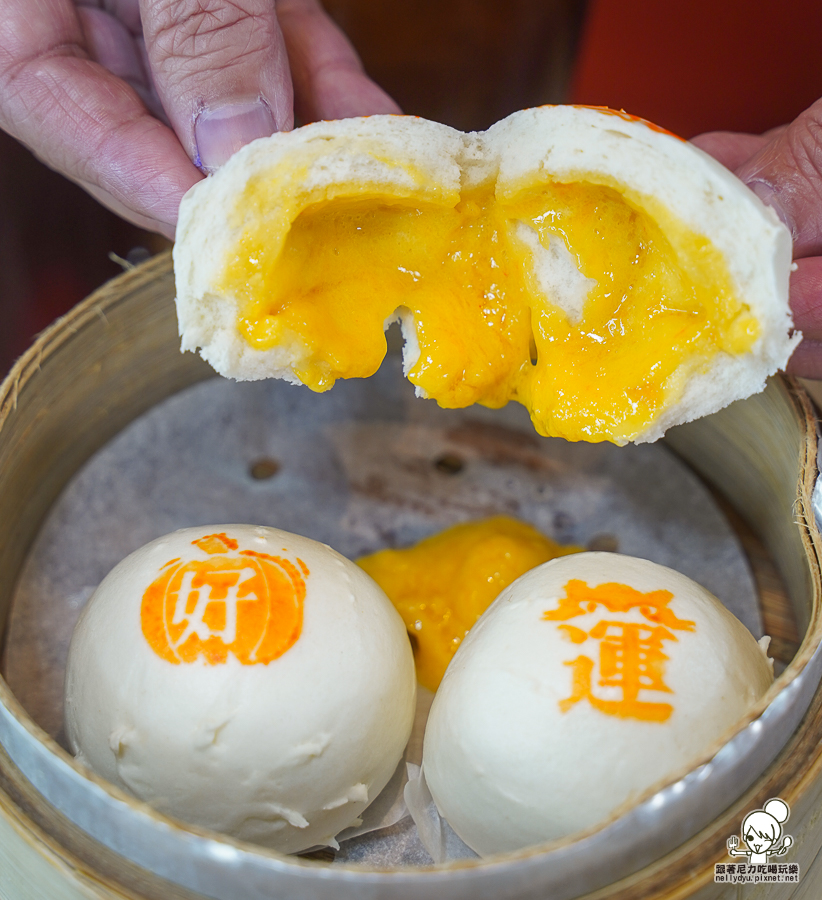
x=526, y=744
x=391, y=156
x=403, y=157
x=284, y=753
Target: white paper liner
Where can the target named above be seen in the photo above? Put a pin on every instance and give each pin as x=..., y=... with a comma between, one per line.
x=407, y=795
x=390, y=806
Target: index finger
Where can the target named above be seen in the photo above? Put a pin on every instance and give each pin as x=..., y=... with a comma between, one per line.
x=786, y=174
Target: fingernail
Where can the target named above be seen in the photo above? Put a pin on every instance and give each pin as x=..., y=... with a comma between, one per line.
x=220, y=131
x=768, y=195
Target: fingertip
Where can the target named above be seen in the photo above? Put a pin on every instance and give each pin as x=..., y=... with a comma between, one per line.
x=786, y=174
x=221, y=71
x=771, y=197
x=221, y=130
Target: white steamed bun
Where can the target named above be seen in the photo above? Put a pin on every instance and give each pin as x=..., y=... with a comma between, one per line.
x=244, y=679
x=402, y=158
x=589, y=679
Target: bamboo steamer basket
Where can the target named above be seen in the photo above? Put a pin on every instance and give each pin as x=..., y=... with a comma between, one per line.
x=66, y=835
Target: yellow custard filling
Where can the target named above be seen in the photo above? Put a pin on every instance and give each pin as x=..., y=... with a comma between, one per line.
x=443, y=584
x=653, y=304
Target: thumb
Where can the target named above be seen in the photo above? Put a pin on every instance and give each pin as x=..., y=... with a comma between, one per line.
x=786, y=174
x=221, y=72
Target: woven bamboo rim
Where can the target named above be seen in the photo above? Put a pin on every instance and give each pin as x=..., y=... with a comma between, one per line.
x=78, y=356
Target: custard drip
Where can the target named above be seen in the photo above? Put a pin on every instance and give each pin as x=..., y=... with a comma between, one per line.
x=568, y=298
x=443, y=584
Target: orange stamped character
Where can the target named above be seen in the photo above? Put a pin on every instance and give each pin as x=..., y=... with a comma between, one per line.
x=631, y=655
x=246, y=603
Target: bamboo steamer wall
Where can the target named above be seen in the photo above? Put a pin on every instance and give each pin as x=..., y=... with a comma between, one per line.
x=116, y=355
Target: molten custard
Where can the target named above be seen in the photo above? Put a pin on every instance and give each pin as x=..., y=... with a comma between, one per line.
x=569, y=298
x=443, y=584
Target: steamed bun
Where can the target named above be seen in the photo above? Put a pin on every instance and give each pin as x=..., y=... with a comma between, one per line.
x=244, y=679
x=590, y=679
x=604, y=273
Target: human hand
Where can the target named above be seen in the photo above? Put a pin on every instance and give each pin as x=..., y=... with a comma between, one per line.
x=784, y=168
x=129, y=97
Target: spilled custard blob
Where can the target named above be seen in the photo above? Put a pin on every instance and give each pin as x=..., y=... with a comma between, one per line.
x=443, y=584
x=587, y=304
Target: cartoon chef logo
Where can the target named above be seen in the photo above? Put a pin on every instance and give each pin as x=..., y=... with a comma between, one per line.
x=224, y=600
x=761, y=831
